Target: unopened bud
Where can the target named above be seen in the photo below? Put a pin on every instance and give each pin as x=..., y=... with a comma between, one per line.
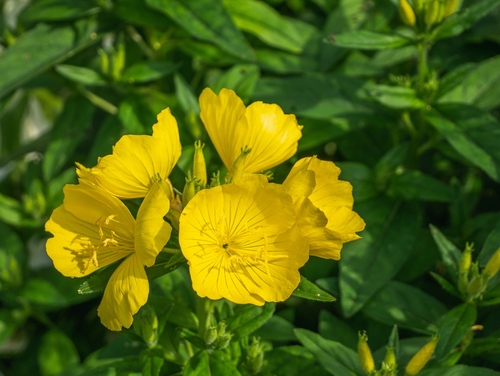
x=418, y=5
x=191, y=188
x=476, y=286
x=432, y=12
x=238, y=168
x=390, y=358
x=493, y=265
x=464, y=268
x=406, y=12
x=210, y=335
x=450, y=6
x=364, y=353
x=215, y=181
x=255, y=356
x=199, y=166
x=421, y=358
x=223, y=338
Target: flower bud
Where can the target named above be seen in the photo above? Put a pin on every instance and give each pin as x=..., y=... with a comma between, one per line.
x=493, y=265
x=432, y=12
x=215, y=181
x=418, y=5
x=364, y=353
x=390, y=358
x=406, y=12
x=199, y=166
x=450, y=6
x=255, y=356
x=464, y=268
x=191, y=188
x=210, y=335
x=421, y=358
x=238, y=169
x=223, y=338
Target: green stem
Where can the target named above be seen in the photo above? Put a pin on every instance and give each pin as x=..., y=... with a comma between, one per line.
x=422, y=64
x=204, y=310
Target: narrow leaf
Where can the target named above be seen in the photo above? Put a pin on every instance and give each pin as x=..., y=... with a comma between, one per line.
x=309, y=290
x=369, y=40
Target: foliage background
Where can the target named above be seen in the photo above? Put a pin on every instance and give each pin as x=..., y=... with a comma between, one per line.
x=419, y=148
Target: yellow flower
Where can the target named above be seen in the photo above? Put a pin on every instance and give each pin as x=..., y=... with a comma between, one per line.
x=242, y=243
x=137, y=160
x=324, y=206
x=93, y=229
x=264, y=128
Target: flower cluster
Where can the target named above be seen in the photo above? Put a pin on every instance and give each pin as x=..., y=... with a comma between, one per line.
x=245, y=240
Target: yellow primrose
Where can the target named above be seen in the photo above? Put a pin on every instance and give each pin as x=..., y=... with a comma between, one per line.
x=92, y=229
x=137, y=160
x=242, y=243
x=330, y=221
x=271, y=135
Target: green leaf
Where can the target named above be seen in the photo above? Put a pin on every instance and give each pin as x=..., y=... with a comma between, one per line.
x=81, y=75
x=459, y=370
x=206, y=20
x=69, y=129
x=136, y=115
x=370, y=262
x=249, y=318
x=136, y=12
x=458, y=23
x=309, y=290
x=480, y=87
x=242, y=78
x=148, y=71
x=389, y=58
x=57, y=353
x=335, y=329
x=291, y=361
x=39, y=49
x=396, y=97
x=337, y=359
x=405, y=306
x=284, y=62
x=58, y=10
x=414, y=185
x=206, y=363
x=261, y=20
x=10, y=321
x=491, y=245
x=446, y=285
x=454, y=78
x=152, y=361
x=12, y=259
x=185, y=95
x=369, y=40
x=455, y=325
x=473, y=133
x=450, y=254
x=276, y=329
x=361, y=178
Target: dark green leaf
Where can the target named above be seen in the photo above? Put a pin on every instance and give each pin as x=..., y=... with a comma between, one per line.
x=449, y=253
x=397, y=97
x=206, y=20
x=38, y=50
x=58, y=10
x=446, y=285
x=242, y=78
x=414, y=185
x=481, y=86
x=148, y=71
x=491, y=244
x=460, y=22
x=98, y=281
x=459, y=370
x=309, y=290
x=268, y=25
x=291, y=361
x=185, y=95
x=408, y=307
x=152, y=362
x=473, y=133
x=388, y=58
x=284, y=62
x=337, y=359
x=206, y=363
x=335, y=329
x=136, y=12
x=276, y=329
x=81, y=75
x=57, y=353
x=330, y=284
x=369, y=40
x=361, y=178
x=369, y=263
x=456, y=324
x=454, y=78
x=249, y=318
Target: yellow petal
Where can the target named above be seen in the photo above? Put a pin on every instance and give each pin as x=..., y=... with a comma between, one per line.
x=151, y=231
x=221, y=115
x=242, y=243
x=272, y=136
x=166, y=129
x=127, y=291
x=74, y=242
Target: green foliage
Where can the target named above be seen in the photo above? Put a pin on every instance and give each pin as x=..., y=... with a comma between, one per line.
x=409, y=113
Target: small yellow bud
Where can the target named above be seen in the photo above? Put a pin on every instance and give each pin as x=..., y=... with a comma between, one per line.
x=493, y=265
x=464, y=267
x=476, y=286
x=238, y=169
x=364, y=353
x=390, y=358
x=199, y=166
x=421, y=358
x=450, y=6
x=191, y=188
x=432, y=12
x=406, y=12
